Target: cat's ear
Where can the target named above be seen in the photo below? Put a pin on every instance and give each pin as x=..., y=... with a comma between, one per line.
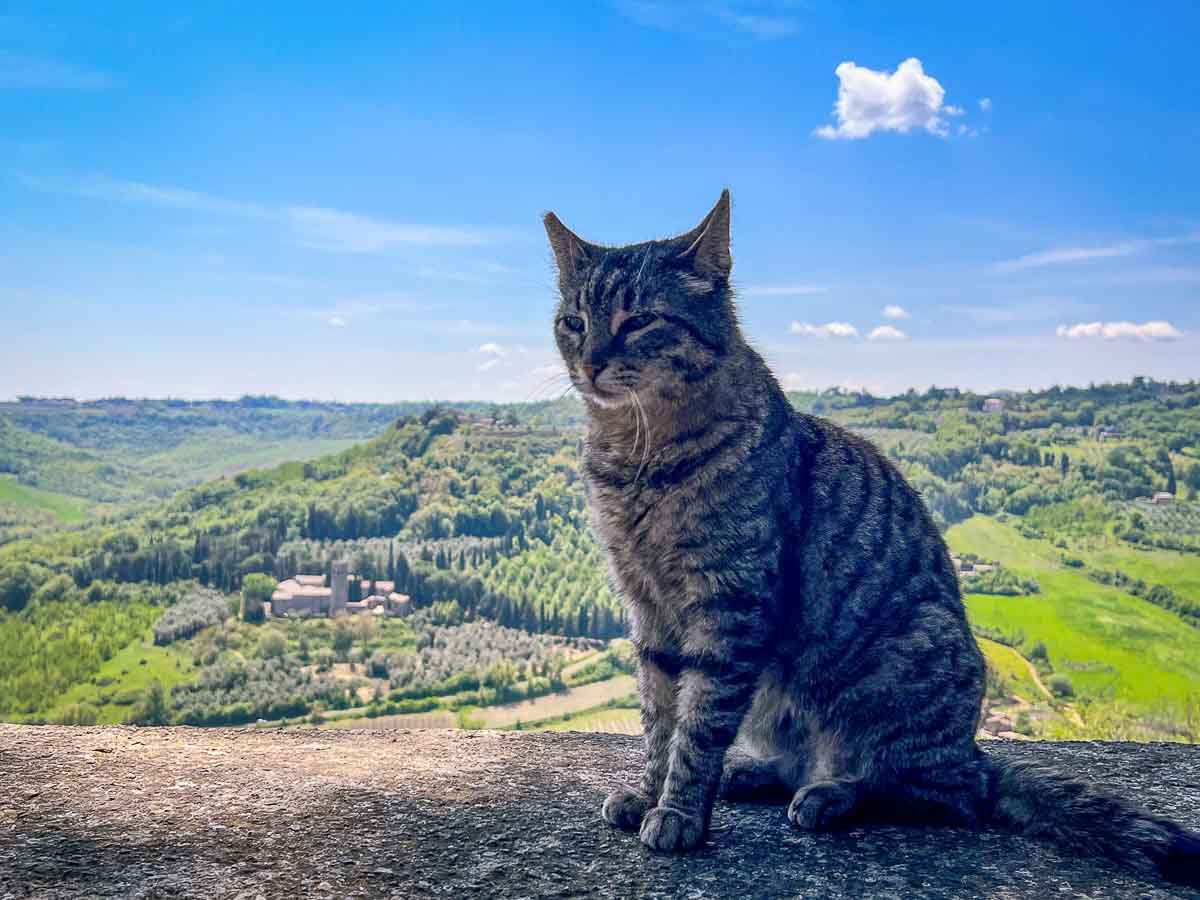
x=706, y=247
x=571, y=252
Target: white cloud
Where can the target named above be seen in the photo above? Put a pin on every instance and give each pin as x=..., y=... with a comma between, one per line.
x=17, y=71
x=900, y=101
x=828, y=330
x=887, y=333
x=337, y=321
x=783, y=290
x=311, y=226
x=493, y=349
x=985, y=104
x=1114, y=331
x=892, y=311
x=951, y=110
x=488, y=364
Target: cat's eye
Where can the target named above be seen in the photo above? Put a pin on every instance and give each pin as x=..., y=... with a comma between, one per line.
x=638, y=322
x=573, y=323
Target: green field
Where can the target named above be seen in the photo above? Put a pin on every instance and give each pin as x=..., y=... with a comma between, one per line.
x=1112, y=645
x=201, y=461
x=624, y=719
x=65, y=508
x=129, y=677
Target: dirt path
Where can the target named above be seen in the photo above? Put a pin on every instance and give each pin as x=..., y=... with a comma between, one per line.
x=1068, y=710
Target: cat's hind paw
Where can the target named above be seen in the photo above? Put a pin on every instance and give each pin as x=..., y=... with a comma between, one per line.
x=671, y=830
x=823, y=806
x=625, y=809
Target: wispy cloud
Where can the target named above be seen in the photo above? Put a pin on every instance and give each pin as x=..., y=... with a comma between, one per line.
x=1117, y=331
x=343, y=312
x=766, y=27
x=765, y=19
x=332, y=229
x=892, y=311
x=311, y=226
x=1070, y=255
x=101, y=187
x=18, y=71
x=782, y=290
x=828, y=330
x=1006, y=313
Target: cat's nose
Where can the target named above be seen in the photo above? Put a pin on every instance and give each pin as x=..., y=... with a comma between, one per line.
x=589, y=372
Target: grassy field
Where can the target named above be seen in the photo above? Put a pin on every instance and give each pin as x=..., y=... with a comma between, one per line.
x=1110, y=644
x=65, y=508
x=608, y=719
x=1178, y=571
x=130, y=672
x=204, y=460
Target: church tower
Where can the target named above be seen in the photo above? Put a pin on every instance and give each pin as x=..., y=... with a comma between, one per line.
x=339, y=584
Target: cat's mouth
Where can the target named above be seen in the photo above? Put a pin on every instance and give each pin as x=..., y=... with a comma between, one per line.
x=604, y=394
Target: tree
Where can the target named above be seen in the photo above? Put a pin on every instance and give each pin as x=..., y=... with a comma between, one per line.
x=154, y=709
x=1064, y=464
x=17, y=584
x=257, y=589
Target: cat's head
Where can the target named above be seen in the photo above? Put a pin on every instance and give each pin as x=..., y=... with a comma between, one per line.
x=653, y=318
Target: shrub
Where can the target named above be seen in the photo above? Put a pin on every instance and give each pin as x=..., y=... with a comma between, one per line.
x=199, y=609
x=1060, y=686
x=77, y=714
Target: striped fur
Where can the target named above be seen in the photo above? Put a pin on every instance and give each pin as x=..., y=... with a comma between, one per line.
x=786, y=587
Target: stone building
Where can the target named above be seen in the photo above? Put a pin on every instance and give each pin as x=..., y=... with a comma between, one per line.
x=307, y=595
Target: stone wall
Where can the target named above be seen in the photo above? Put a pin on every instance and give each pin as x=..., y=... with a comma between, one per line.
x=180, y=812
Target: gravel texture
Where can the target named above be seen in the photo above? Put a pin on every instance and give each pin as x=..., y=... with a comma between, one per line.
x=182, y=812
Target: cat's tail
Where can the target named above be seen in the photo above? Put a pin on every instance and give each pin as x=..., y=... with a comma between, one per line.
x=1042, y=803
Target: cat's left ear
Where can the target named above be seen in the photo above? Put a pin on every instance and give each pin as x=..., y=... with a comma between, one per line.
x=706, y=247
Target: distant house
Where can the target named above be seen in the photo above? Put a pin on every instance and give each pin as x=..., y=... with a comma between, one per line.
x=993, y=405
x=1107, y=434
x=1162, y=498
x=307, y=595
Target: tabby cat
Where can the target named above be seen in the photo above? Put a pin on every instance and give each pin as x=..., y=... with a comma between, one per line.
x=785, y=586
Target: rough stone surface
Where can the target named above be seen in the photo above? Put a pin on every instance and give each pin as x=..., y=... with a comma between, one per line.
x=179, y=812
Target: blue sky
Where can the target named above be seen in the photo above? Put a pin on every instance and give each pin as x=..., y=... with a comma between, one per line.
x=345, y=204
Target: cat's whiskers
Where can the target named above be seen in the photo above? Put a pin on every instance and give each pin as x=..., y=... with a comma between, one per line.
x=637, y=422
x=641, y=411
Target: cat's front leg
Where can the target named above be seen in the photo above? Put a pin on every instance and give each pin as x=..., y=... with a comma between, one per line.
x=627, y=806
x=712, y=700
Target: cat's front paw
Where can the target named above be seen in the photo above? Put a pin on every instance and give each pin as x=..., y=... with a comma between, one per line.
x=671, y=830
x=626, y=809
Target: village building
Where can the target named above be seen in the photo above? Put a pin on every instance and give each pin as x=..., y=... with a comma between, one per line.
x=993, y=405
x=307, y=595
x=1162, y=498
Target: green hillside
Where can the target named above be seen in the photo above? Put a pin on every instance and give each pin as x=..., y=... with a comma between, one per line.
x=478, y=513
x=62, y=507
x=1112, y=645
